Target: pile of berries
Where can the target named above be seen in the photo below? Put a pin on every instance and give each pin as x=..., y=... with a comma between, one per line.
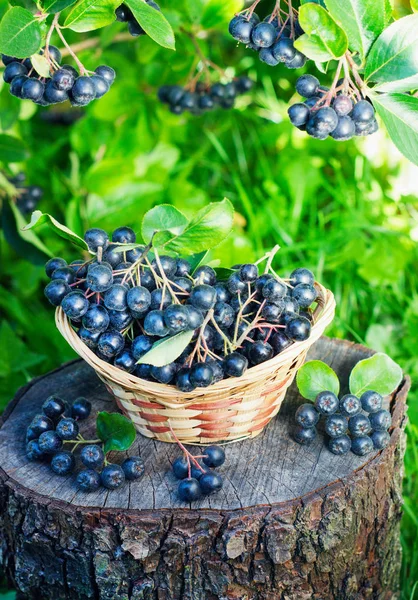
x=124, y=15
x=198, y=479
x=64, y=82
x=204, y=97
x=341, y=117
x=50, y=432
x=28, y=195
x=357, y=424
x=272, y=39
x=121, y=302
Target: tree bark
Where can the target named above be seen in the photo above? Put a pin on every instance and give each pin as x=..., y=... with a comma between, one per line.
x=291, y=523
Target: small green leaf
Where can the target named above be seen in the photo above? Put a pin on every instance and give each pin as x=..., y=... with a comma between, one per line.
x=223, y=274
x=207, y=229
x=153, y=22
x=196, y=260
x=41, y=65
x=393, y=58
x=378, y=373
x=39, y=218
x=163, y=218
x=362, y=20
x=88, y=15
x=12, y=149
x=116, y=431
x=166, y=350
x=312, y=48
x=318, y=24
x=20, y=33
x=55, y=6
x=399, y=112
x=314, y=377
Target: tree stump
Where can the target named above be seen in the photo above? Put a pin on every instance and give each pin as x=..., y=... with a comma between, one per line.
x=291, y=523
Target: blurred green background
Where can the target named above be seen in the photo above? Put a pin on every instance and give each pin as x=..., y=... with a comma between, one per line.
x=347, y=211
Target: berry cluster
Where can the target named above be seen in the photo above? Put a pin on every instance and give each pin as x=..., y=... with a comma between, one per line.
x=28, y=195
x=64, y=83
x=198, y=479
x=124, y=15
x=272, y=38
x=356, y=424
x=51, y=431
x=204, y=97
x=123, y=301
x=327, y=112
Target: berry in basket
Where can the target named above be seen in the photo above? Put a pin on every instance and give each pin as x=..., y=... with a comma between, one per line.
x=131, y=304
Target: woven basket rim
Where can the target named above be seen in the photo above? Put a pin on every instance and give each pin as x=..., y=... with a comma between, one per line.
x=323, y=316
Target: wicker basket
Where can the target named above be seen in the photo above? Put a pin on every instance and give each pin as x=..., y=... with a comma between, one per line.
x=232, y=409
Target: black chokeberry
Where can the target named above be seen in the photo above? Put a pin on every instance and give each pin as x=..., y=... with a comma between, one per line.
x=235, y=285
x=201, y=375
x=65, y=273
x=345, y=129
x=99, y=277
x=54, y=263
x=154, y=324
x=164, y=374
x=88, y=480
x=115, y=298
x=133, y=467
x=304, y=295
x=359, y=425
x=307, y=86
x=343, y=105
x=327, y=403
x=350, y=405
x=75, y=305
x=83, y=91
x=240, y=28
x=336, y=425
x=67, y=429
x=92, y=456
x=112, y=476
x=107, y=73
x=32, y=89
x=96, y=319
x=284, y=50
x=279, y=342
x=301, y=275
x=362, y=111
x=235, y=364
x=299, y=114
x=214, y=456
x=380, y=439
x=12, y=70
x=362, y=445
x=141, y=345
x=210, y=482
x=110, y=343
x=203, y=297
x=53, y=407
x=125, y=361
x=274, y=290
x=183, y=381
x=81, y=409
x=298, y=329
x=380, y=420
x=63, y=463
x=49, y=442
x=307, y=415
x=339, y=445
x=96, y=238
x=101, y=86
x=259, y=352
x=90, y=338
x=304, y=435
x=40, y=424
x=63, y=79
x=371, y=402
x=263, y=34
x=33, y=451
x=120, y=319
x=189, y=490
x=176, y=318
x=180, y=467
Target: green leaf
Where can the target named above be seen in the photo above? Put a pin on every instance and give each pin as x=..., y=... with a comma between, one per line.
x=399, y=112
x=166, y=351
x=15, y=356
x=207, y=229
x=153, y=22
x=41, y=65
x=314, y=377
x=88, y=15
x=378, y=373
x=39, y=218
x=318, y=24
x=223, y=274
x=12, y=149
x=163, y=218
x=362, y=20
x=20, y=33
x=312, y=48
x=196, y=260
x=414, y=5
x=393, y=59
x=217, y=12
x=25, y=243
x=55, y=6
x=116, y=431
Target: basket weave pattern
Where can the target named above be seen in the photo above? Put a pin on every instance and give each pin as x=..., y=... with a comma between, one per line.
x=231, y=409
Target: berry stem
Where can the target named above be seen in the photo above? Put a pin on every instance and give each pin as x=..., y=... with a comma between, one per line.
x=271, y=255
x=165, y=279
x=78, y=62
x=187, y=454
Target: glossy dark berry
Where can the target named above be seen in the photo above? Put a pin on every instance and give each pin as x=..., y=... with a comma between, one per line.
x=183, y=267
x=154, y=324
x=197, y=473
x=53, y=407
x=16, y=85
x=141, y=345
x=54, y=263
x=263, y=34
x=110, y=343
x=40, y=424
x=304, y=295
x=201, y=375
x=339, y=445
x=133, y=467
x=125, y=361
x=160, y=299
x=112, y=476
x=32, y=89
x=203, y=297
x=65, y=273
x=92, y=456
x=189, y=490
x=371, y=402
x=88, y=480
x=75, y=305
x=168, y=264
x=222, y=294
x=345, y=129
x=259, y=352
x=182, y=285
x=101, y=86
x=81, y=409
x=63, y=79
x=96, y=319
x=279, y=342
x=362, y=445
x=33, y=451
x=267, y=56
x=274, y=290
x=214, y=456
x=304, y=435
x=63, y=463
x=298, y=114
x=359, y=425
x=56, y=291
x=120, y=319
x=164, y=374
x=107, y=73
x=362, y=111
x=235, y=285
x=124, y=235
x=307, y=415
x=298, y=329
x=14, y=69
x=176, y=318
x=350, y=405
x=52, y=95
x=235, y=364
x=380, y=439
x=342, y=105
x=380, y=420
x=336, y=425
x=99, y=277
x=303, y=276
x=297, y=62
x=49, y=442
x=67, y=429
x=143, y=371
x=241, y=28
x=96, y=238
x=183, y=381
x=180, y=467
x=224, y=315
x=115, y=298
x=83, y=91
x=210, y=482
x=205, y=274
x=284, y=50
x=307, y=86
